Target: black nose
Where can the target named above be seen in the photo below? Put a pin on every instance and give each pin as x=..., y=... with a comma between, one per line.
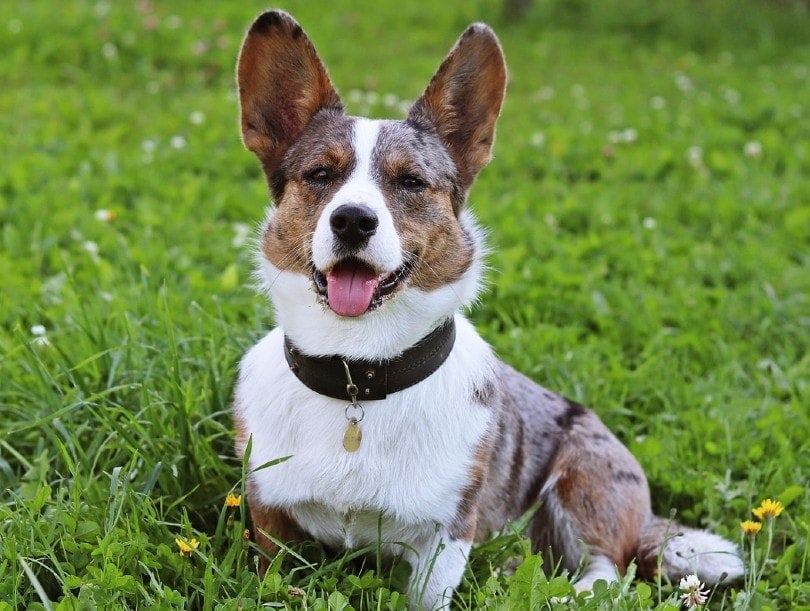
x=353, y=224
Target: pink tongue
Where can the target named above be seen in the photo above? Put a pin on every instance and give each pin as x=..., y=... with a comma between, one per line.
x=350, y=288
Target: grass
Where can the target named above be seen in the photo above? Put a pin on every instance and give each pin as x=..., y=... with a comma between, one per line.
x=649, y=207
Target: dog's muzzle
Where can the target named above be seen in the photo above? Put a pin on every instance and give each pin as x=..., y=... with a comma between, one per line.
x=353, y=286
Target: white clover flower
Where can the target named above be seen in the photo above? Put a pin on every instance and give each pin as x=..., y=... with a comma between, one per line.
x=683, y=82
x=104, y=215
x=102, y=9
x=91, y=248
x=390, y=100
x=40, y=334
x=546, y=93
x=657, y=102
x=199, y=47
x=355, y=96
x=197, y=117
x=624, y=136
x=695, y=156
x=109, y=50
x=725, y=58
x=693, y=594
x=732, y=96
x=242, y=232
x=753, y=149
x=178, y=142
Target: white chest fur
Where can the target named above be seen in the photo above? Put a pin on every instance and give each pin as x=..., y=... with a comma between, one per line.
x=414, y=460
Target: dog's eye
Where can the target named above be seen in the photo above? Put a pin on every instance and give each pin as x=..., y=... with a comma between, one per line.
x=409, y=182
x=319, y=175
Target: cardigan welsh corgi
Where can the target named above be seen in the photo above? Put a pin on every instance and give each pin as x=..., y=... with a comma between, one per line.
x=400, y=427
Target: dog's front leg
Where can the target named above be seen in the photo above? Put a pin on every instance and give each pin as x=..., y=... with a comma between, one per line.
x=271, y=522
x=437, y=566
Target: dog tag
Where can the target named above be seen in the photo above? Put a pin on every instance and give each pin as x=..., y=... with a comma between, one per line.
x=352, y=437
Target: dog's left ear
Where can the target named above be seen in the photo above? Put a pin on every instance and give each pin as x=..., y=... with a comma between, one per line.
x=464, y=98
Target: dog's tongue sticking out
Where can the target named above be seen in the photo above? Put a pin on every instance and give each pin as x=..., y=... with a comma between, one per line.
x=350, y=288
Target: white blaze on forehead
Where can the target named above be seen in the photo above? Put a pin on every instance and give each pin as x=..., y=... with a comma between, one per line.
x=366, y=133
x=383, y=250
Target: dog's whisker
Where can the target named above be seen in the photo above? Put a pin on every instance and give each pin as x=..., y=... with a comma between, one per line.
x=299, y=253
x=412, y=257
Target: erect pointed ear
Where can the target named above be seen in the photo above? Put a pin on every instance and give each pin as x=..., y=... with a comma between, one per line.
x=463, y=100
x=282, y=85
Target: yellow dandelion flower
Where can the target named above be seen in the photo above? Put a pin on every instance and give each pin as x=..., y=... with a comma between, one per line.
x=186, y=547
x=233, y=500
x=768, y=509
x=750, y=528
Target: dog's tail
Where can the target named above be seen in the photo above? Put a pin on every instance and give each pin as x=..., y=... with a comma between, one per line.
x=676, y=551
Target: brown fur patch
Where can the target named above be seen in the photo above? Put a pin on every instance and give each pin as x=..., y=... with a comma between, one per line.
x=517, y=462
x=463, y=525
x=602, y=490
x=426, y=218
x=444, y=254
x=325, y=144
x=272, y=521
x=275, y=522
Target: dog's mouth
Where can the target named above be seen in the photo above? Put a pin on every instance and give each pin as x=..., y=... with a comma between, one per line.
x=352, y=287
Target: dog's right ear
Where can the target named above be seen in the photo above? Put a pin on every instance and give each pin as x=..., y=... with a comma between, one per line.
x=282, y=85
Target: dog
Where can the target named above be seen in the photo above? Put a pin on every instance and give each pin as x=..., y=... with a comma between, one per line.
x=399, y=426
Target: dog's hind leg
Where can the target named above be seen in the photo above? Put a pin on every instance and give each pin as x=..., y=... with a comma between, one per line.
x=593, y=504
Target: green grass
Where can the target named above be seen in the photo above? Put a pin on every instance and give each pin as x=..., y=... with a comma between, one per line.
x=649, y=207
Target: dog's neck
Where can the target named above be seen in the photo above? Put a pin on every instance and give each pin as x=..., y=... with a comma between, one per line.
x=373, y=379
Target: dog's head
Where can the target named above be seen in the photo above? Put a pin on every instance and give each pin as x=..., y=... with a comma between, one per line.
x=367, y=213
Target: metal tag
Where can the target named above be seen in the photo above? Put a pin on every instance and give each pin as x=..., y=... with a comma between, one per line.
x=352, y=437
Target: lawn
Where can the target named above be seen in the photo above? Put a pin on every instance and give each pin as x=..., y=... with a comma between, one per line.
x=649, y=213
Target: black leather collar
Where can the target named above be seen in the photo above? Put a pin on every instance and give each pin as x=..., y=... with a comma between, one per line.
x=374, y=379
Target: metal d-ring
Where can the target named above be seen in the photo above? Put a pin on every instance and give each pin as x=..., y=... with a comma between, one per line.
x=352, y=390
